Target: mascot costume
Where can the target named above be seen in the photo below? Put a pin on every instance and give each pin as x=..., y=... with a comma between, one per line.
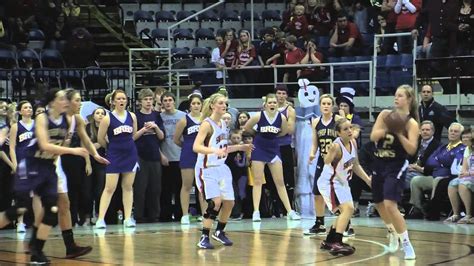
x=308, y=108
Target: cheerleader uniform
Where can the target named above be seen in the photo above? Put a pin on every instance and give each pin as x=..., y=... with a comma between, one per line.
x=188, y=157
x=334, y=180
x=121, y=151
x=267, y=148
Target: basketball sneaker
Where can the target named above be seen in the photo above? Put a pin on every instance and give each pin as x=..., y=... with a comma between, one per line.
x=205, y=242
x=340, y=249
x=39, y=259
x=20, y=228
x=100, y=224
x=77, y=251
x=130, y=222
x=317, y=229
x=256, y=216
x=409, y=251
x=325, y=245
x=185, y=219
x=292, y=215
x=220, y=236
x=393, y=242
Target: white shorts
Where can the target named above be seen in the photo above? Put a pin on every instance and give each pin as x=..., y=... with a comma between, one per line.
x=62, y=179
x=215, y=181
x=334, y=191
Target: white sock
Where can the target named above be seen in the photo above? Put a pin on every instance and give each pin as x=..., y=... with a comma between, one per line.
x=404, y=237
x=391, y=228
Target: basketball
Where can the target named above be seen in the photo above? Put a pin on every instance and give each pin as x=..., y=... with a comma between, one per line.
x=395, y=122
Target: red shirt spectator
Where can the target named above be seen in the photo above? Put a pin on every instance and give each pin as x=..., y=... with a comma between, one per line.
x=407, y=11
x=350, y=31
x=229, y=56
x=293, y=56
x=298, y=24
x=244, y=55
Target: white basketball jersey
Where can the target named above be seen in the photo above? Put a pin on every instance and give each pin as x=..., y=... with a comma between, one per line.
x=342, y=168
x=217, y=140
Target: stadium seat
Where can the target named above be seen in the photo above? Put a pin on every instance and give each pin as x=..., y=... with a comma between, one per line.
x=381, y=59
x=235, y=6
x=383, y=82
x=160, y=37
x=401, y=76
x=333, y=59
x=7, y=59
x=245, y=16
x=209, y=19
x=128, y=9
x=271, y=18
x=205, y=38
x=184, y=38
x=151, y=8
x=192, y=6
x=323, y=42
x=230, y=20
x=36, y=39
x=28, y=56
x=190, y=24
x=51, y=58
x=172, y=6
x=406, y=61
x=164, y=19
x=277, y=5
x=95, y=81
x=393, y=61
x=143, y=22
x=257, y=7
x=201, y=56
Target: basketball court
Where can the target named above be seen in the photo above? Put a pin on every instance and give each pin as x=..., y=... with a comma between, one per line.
x=271, y=242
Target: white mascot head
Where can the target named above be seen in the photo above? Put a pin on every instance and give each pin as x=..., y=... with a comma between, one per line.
x=308, y=95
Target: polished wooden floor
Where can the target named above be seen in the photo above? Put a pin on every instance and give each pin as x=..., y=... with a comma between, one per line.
x=271, y=242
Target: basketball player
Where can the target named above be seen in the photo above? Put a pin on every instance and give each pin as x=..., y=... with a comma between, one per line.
x=271, y=124
x=120, y=126
x=37, y=171
x=339, y=163
x=213, y=176
x=286, y=150
x=393, y=145
x=20, y=135
x=323, y=136
x=188, y=128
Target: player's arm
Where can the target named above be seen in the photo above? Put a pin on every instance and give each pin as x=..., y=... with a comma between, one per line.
x=251, y=123
x=410, y=144
x=291, y=120
x=104, y=125
x=13, y=132
x=284, y=126
x=359, y=171
x=86, y=141
x=379, y=129
x=314, y=145
x=333, y=153
x=240, y=147
x=179, y=131
x=41, y=133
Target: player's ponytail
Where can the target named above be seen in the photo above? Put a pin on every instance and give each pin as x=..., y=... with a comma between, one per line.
x=413, y=105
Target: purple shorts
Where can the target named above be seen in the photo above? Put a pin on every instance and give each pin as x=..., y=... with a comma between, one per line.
x=388, y=180
x=37, y=175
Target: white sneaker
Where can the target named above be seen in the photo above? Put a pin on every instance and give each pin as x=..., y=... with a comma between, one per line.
x=200, y=218
x=256, y=216
x=292, y=215
x=20, y=228
x=130, y=222
x=185, y=219
x=409, y=251
x=393, y=242
x=100, y=224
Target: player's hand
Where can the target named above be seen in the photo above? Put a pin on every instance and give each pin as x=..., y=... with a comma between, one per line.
x=88, y=169
x=463, y=174
x=101, y=159
x=248, y=147
x=222, y=152
x=164, y=160
x=80, y=152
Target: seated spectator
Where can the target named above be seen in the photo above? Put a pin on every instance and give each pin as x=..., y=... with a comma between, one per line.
x=441, y=165
x=345, y=39
x=297, y=24
x=80, y=50
x=463, y=187
x=312, y=56
x=465, y=36
x=424, y=50
x=245, y=55
x=320, y=21
x=384, y=45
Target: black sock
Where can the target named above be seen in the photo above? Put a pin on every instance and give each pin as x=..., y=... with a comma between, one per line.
x=220, y=226
x=68, y=238
x=330, y=236
x=337, y=238
x=205, y=231
x=38, y=245
x=33, y=235
x=320, y=220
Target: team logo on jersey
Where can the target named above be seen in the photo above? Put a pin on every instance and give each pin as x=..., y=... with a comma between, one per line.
x=193, y=129
x=123, y=129
x=25, y=136
x=270, y=129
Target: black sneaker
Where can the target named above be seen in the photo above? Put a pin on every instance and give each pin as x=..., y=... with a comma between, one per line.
x=325, y=246
x=77, y=251
x=317, y=229
x=39, y=259
x=341, y=249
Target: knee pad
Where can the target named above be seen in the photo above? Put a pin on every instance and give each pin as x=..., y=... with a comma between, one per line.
x=211, y=213
x=50, y=211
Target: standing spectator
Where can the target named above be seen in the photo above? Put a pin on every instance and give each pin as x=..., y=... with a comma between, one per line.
x=266, y=49
x=171, y=181
x=321, y=21
x=297, y=24
x=465, y=29
x=361, y=16
x=147, y=187
x=431, y=110
x=407, y=11
x=245, y=55
x=387, y=11
x=80, y=50
x=345, y=39
x=228, y=51
x=218, y=61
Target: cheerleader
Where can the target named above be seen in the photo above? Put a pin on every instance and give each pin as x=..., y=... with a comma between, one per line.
x=271, y=124
x=119, y=126
x=339, y=163
x=393, y=145
x=186, y=132
x=213, y=176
